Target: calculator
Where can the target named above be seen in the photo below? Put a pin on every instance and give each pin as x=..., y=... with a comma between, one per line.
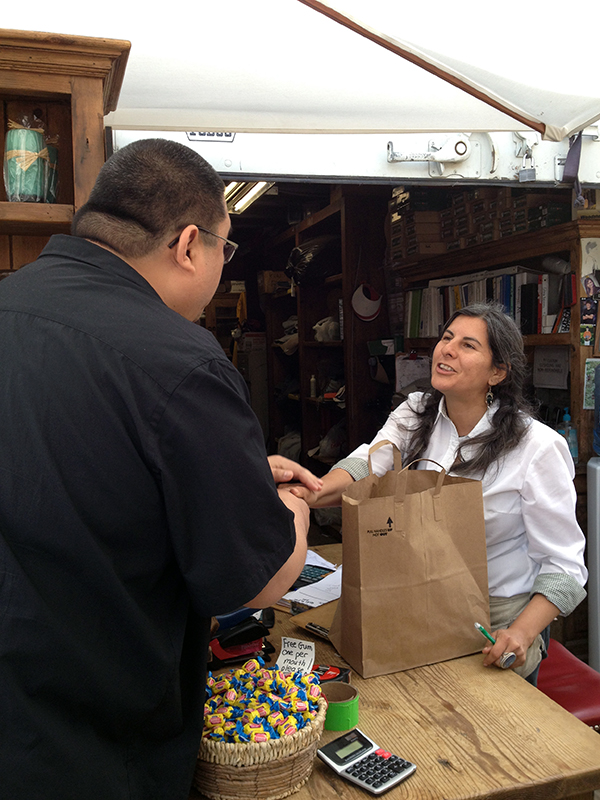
x=310, y=574
x=358, y=759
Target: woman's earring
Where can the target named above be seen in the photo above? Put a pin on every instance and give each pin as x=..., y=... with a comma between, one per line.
x=489, y=397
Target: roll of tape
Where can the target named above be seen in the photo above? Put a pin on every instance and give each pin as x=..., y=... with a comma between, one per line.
x=342, y=706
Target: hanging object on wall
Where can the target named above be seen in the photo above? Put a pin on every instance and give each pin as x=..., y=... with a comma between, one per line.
x=366, y=302
x=312, y=261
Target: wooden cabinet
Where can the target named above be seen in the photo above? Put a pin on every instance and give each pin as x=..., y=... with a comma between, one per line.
x=71, y=83
x=356, y=215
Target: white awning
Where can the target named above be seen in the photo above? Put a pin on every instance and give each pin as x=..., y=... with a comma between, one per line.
x=281, y=66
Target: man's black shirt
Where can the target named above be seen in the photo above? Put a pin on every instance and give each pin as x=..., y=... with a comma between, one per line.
x=135, y=502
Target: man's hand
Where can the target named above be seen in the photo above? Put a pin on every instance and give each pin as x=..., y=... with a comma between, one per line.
x=285, y=470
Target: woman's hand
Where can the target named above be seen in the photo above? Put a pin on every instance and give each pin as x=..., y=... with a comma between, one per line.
x=304, y=493
x=507, y=641
x=519, y=637
x=330, y=493
x=284, y=470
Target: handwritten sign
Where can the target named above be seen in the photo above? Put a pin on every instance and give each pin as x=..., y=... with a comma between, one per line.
x=296, y=655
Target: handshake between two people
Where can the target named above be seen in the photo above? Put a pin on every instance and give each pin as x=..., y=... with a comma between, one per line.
x=300, y=482
x=285, y=470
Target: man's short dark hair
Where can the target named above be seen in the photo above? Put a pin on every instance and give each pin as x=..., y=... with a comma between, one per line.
x=148, y=191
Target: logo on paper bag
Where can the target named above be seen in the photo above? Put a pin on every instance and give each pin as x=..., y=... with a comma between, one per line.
x=382, y=531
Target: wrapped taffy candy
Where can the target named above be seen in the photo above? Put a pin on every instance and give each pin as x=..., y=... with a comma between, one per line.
x=255, y=704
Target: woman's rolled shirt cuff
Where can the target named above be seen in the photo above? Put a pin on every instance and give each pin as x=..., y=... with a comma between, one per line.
x=560, y=589
x=358, y=468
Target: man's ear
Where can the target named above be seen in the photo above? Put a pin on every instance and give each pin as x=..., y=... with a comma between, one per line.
x=187, y=239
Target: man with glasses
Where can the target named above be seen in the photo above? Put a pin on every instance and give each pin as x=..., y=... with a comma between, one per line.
x=136, y=497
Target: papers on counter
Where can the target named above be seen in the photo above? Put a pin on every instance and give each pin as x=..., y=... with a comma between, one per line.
x=316, y=594
x=315, y=560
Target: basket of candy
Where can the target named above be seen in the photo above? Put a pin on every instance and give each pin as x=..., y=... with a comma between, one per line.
x=261, y=733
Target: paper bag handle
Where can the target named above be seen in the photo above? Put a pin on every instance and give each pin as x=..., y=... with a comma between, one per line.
x=442, y=474
x=401, y=490
x=396, y=452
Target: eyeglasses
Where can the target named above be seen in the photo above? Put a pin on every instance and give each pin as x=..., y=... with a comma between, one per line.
x=229, y=247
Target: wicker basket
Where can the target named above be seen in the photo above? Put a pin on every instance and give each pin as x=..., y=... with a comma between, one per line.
x=259, y=770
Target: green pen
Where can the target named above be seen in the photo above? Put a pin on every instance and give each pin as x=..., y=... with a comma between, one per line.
x=506, y=659
x=487, y=635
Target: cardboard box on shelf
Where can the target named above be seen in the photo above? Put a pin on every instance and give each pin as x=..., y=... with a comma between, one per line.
x=251, y=342
x=426, y=249
x=271, y=281
x=422, y=228
x=421, y=217
x=231, y=287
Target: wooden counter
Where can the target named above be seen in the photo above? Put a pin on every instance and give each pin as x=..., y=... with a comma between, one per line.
x=473, y=732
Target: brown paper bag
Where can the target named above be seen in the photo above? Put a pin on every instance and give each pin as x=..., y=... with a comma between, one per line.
x=414, y=577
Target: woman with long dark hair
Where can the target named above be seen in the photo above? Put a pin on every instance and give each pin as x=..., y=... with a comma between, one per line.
x=476, y=422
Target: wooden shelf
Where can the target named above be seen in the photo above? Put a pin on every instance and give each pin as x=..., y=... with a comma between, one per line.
x=35, y=218
x=533, y=340
x=530, y=248
x=358, y=218
x=319, y=216
x=547, y=339
x=510, y=250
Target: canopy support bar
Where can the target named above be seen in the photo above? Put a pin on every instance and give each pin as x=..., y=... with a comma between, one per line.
x=396, y=48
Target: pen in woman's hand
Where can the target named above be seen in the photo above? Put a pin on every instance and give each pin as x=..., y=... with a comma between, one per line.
x=483, y=631
x=506, y=659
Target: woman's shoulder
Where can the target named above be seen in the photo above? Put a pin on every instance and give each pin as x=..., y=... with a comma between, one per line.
x=541, y=438
x=414, y=404
x=538, y=431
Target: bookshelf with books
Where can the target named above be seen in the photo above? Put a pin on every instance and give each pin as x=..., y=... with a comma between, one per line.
x=521, y=271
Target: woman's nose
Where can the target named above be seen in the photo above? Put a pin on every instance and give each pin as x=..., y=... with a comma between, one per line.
x=448, y=347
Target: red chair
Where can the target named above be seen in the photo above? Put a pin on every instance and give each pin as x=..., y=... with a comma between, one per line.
x=571, y=683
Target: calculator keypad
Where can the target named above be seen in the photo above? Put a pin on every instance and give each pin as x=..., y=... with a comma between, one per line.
x=314, y=572
x=311, y=574
x=379, y=771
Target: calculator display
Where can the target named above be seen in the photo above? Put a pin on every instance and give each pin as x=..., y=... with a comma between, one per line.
x=349, y=750
x=347, y=747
